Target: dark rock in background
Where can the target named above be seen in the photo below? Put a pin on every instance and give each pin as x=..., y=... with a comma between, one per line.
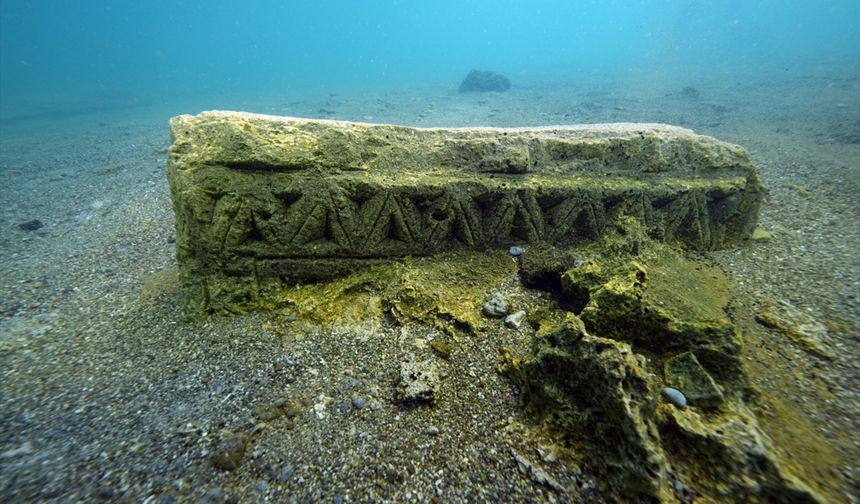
x=30, y=225
x=482, y=81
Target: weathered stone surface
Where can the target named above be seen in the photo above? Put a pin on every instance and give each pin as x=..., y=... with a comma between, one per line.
x=598, y=394
x=649, y=320
x=419, y=381
x=264, y=201
x=685, y=373
x=804, y=330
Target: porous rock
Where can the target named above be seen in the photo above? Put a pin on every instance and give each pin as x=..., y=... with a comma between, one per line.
x=589, y=380
x=419, y=381
x=597, y=393
x=262, y=202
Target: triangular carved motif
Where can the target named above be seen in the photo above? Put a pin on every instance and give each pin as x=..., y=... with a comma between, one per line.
x=389, y=218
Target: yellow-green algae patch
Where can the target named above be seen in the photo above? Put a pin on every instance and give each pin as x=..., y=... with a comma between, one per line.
x=445, y=290
x=789, y=420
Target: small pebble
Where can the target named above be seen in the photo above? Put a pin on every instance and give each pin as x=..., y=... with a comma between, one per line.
x=213, y=495
x=496, y=306
x=433, y=430
x=675, y=397
x=358, y=402
x=516, y=251
x=262, y=486
x=286, y=472
x=515, y=320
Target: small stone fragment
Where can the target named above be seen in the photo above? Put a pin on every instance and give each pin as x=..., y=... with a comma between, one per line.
x=761, y=235
x=419, y=381
x=441, y=347
x=516, y=251
x=515, y=320
x=674, y=396
x=797, y=325
x=350, y=383
x=285, y=474
x=320, y=408
x=538, y=475
x=26, y=448
x=432, y=430
x=228, y=453
x=358, y=403
x=30, y=225
x=496, y=307
x=267, y=412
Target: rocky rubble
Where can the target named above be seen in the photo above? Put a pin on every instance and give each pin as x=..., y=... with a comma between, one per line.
x=649, y=321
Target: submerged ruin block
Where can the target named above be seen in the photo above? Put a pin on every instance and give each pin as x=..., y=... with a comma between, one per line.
x=264, y=201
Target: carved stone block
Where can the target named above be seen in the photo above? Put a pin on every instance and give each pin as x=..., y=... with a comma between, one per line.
x=261, y=201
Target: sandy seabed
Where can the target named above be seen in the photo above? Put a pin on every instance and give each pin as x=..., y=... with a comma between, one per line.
x=106, y=394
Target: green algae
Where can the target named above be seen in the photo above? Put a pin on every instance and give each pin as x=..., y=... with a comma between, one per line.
x=445, y=291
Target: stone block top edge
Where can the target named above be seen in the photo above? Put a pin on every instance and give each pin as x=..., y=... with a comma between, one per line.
x=248, y=141
x=620, y=128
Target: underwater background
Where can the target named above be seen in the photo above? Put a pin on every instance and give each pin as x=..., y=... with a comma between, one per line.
x=108, y=395
x=67, y=57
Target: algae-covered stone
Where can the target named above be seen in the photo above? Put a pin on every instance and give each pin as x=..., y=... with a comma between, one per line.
x=684, y=373
x=262, y=201
x=597, y=394
x=797, y=325
x=419, y=381
x=652, y=318
x=442, y=348
x=542, y=265
x=730, y=457
x=657, y=299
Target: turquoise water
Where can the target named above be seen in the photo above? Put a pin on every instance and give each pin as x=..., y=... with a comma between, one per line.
x=65, y=57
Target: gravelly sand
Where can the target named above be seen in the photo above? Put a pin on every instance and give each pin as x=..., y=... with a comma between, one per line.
x=106, y=394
